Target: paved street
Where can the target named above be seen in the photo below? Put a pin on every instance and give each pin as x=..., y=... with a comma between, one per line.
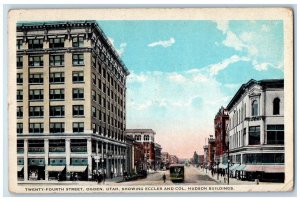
x=192, y=176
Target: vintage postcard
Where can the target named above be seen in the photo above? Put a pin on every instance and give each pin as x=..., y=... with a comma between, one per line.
x=151, y=100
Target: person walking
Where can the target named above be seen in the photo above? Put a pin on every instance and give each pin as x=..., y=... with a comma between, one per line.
x=164, y=178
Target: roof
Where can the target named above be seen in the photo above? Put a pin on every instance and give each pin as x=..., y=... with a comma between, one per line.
x=139, y=131
x=24, y=26
x=267, y=83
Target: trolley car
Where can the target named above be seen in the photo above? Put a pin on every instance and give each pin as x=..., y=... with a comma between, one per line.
x=177, y=172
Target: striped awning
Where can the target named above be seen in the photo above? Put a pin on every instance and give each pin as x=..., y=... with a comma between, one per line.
x=234, y=166
x=77, y=168
x=265, y=168
x=20, y=168
x=241, y=167
x=57, y=168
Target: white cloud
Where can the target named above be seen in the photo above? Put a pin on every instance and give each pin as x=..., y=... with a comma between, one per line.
x=137, y=77
x=216, y=68
x=262, y=66
x=265, y=28
x=166, y=43
x=121, y=49
x=222, y=25
x=176, y=77
x=233, y=41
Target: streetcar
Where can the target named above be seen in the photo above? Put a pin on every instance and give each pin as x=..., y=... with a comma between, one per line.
x=177, y=172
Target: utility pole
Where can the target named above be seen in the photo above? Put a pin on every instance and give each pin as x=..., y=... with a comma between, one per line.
x=228, y=163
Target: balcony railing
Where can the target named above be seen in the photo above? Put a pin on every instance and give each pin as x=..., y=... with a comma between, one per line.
x=79, y=149
x=36, y=150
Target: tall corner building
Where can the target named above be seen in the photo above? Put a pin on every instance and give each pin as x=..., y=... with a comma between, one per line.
x=71, y=92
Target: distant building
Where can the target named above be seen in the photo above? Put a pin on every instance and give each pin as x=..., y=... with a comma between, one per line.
x=201, y=160
x=256, y=129
x=158, y=159
x=205, y=161
x=220, y=123
x=165, y=160
x=146, y=138
x=174, y=159
x=211, y=152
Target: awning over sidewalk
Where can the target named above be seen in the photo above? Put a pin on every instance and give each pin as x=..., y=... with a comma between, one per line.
x=223, y=166
x=77, y=168
x=241, y=167
x=265, y=168
x=234, y=166
x=55, y=168
x=273, y=168
x=20, y=168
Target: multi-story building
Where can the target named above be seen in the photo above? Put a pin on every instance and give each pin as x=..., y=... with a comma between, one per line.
x=173, y=159
x=145, y=137
x=221, y=122
x=211, y=152
x=165, y=160
x=256, y=129
x=71, y=92
x=205, y=161
x=157, y=150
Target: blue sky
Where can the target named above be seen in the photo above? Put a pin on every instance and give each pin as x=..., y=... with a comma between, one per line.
x=182, y=72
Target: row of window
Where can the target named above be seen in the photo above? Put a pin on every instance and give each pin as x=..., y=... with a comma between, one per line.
x=58, y=77
x=275, y=135
x=54, y=60
x=77, y=41
x=78, y=127
x=240, y=114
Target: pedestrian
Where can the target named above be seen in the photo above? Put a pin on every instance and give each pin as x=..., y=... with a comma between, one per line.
x=111, y=175
x=104, y=177
x=164, y=178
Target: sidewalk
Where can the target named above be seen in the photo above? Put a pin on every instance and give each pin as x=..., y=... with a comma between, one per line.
x=232, y=181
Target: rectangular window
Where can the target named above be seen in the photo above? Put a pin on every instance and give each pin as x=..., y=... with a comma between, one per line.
x=254, y=135
x=99, y=99
x=19, y=95
x=19, y=128
x=36, y=61
x=78, y=93
x=78, y=110
x=94, y=96
x=78, y=77
x=35, y=44
x=36, y=146
x=275, y=134
x=77, y=59
x=19, y=44
x=94, y=79
x=19, y=78
x=20, y=146
x=19, y=61
x=56, y=42
x=57, y=127
x=99, y=84
x=57, y=94
x=37, y=78
x=78, y=41
x=36, y=128
x=57, y=60
x=57, y=111
x=94, y=113
x=78, y=127
x=94, y=128
x=20, y=111
x=36, y=111
x=94, y=62
x=58, y=77
x=36, y=94
x=57, y=145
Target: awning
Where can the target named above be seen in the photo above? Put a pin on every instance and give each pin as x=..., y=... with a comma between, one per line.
x=223, y=166
x=265, y=168
x=273, y=168
x=234, y=166
x=241, y=167
x=20, y=168
x=52, y=168
x=77, y=168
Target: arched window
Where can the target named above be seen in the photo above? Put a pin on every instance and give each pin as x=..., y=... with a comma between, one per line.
x=146, y=137
x=276, y=106
x=255, y=108
x=137, y=137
